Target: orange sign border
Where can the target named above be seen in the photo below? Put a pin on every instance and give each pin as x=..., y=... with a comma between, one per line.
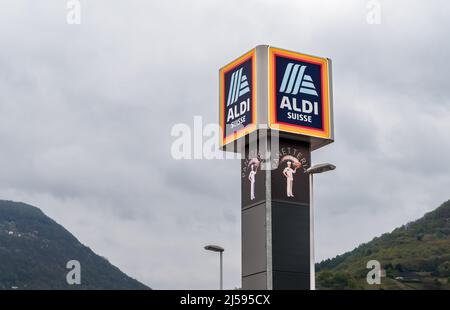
x=250, y=127
x=325, y=132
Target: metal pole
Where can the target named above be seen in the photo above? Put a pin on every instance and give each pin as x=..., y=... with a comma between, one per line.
x=221, y=272
x=311, y=233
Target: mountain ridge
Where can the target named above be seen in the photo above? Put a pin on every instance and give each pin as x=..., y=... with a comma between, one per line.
x=34, y=251
x=414, y=256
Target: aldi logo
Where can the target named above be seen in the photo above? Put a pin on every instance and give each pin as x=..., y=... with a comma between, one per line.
x=237, y=98
x=238, y=86
x=295, y=74
x=299, y=93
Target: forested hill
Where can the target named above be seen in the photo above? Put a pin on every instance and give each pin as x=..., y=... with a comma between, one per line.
x=34, y=251
x=414, y=256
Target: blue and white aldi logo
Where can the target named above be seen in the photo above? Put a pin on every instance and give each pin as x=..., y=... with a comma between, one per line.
x=299, y=93
x=237, y=98
x=238, y=88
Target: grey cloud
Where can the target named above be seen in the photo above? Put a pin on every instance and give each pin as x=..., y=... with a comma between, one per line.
x=86, y=113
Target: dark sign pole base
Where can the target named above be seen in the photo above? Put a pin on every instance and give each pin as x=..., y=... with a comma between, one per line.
x=276, y=219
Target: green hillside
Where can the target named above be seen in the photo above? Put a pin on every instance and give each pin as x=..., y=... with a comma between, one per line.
x=34, y=251
x=414, y=256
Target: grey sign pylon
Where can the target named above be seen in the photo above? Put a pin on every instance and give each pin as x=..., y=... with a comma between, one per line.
x=275, y=226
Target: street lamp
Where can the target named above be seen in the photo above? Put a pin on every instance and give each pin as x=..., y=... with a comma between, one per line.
x=319, y=168
x=216, y=248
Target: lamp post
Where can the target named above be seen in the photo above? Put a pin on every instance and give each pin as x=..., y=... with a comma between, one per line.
x=216, y=248
x=319, y=168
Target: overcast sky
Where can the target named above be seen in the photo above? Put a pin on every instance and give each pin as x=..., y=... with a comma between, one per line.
x=86, y=113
